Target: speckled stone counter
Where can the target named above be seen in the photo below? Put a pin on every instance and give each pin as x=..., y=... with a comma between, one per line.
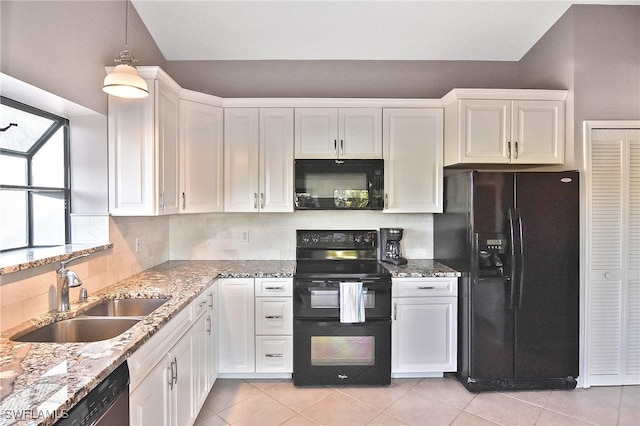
x=416, y=268
x=39, y=381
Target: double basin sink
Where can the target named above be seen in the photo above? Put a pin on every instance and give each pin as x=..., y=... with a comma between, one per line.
x=106, y=320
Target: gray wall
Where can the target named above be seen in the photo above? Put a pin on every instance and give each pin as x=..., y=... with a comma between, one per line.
x=340, y=79
x=63, y=46
x=594, y=51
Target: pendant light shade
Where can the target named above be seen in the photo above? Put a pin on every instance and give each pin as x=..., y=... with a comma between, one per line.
x=124, y=81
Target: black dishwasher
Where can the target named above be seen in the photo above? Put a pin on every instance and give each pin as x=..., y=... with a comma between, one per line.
x=106, y=404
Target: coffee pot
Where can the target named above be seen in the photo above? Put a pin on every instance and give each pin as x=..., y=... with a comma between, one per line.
x=390, y=248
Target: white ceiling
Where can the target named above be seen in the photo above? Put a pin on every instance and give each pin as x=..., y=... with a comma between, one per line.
x=359, y=30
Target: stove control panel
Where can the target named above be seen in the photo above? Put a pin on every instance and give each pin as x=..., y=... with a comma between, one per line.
x=360, y=239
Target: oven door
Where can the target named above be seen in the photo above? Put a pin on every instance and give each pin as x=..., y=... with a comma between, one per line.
x=335, y=353
x=321, y=299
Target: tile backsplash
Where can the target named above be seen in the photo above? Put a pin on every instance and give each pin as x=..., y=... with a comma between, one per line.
x=271, y=236
x=26, y=294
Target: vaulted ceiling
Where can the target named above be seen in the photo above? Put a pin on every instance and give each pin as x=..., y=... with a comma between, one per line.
x=355, y=30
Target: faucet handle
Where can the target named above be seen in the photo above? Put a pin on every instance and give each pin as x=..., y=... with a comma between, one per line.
x=64, y=263
x=84, y=295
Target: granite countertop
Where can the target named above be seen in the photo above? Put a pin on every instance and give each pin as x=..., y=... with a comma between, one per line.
x=40, y=381
x=419, y=268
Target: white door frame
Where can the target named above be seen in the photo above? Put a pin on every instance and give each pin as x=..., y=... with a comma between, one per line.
x=585, y=224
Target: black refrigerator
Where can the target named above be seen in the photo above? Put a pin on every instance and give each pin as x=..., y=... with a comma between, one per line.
x=515, y=238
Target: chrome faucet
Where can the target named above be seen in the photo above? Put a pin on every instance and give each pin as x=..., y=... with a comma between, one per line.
x=66, y=278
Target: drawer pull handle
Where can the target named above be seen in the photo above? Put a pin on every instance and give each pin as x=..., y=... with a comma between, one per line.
x=208, y=321
x=427, y=287
x=273, y=355
x=274, y=288
x=273, y=316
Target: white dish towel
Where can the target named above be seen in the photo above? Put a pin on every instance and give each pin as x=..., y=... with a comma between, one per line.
x=351, y=302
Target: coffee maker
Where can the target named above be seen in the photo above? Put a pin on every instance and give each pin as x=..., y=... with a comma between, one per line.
x=390, y=248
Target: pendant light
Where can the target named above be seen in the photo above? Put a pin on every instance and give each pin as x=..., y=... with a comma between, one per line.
x=124, y=81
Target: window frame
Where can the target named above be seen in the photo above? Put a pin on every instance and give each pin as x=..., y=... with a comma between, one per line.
x=58, y=123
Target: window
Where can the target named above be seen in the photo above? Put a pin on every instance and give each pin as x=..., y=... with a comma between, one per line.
x=34, y=177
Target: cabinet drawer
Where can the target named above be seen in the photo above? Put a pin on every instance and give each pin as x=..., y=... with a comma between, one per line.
x=274, y=354
x=424, y=287
x=273, y=287
x=274, y=316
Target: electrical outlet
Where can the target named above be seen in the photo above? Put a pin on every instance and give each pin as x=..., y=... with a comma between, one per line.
x=137, y=245
x=244, y=236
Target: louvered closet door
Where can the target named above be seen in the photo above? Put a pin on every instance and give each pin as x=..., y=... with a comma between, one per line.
x=613, y=288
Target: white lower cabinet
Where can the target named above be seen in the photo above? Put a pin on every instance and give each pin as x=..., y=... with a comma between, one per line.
x=173, y=372
x=147, y=402
x=236, y=345
x=256, y=326
x=205, y=342
x=424, y=326
x=161, y=374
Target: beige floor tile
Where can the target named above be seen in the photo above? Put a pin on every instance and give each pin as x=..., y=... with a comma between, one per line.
x=406, y=383
x=384, y=420
x=630, y=406
x=226, y=393
x=503, y=410
x=466, y=419
x=340, y=409
x=379, y=397
x=257, y=410
x=298, y=398
x=597, y=405
x=416, y=409
x=551, y=418
x=413, y=402
x=299, y=420
x=538, y=398
x=446, y=390
x=264, y=384
x=212, y=420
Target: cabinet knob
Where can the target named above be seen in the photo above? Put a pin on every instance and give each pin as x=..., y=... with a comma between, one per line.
x=608, y=275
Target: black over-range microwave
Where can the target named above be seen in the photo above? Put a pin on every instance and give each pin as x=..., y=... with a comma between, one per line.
x=339, y=184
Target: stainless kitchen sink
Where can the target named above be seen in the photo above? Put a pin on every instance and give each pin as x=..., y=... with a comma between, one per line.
x=79, y=329
x=125, y=307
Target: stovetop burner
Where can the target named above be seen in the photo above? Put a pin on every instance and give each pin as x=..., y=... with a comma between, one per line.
x=338, y=255
x=340, y=269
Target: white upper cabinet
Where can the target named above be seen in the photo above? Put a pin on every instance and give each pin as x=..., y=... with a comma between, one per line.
x=201, y=157
x=413, y=160
x=504, y=127
x=350, y=133
x=258, y=159
x=276, y=160
x=144, y=149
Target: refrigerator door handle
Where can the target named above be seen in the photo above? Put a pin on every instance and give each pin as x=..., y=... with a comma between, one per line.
x=520, y=257
x=512, y=259
x=475, y=266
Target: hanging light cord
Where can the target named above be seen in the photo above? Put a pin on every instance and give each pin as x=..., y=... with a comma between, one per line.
x=126, y=57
